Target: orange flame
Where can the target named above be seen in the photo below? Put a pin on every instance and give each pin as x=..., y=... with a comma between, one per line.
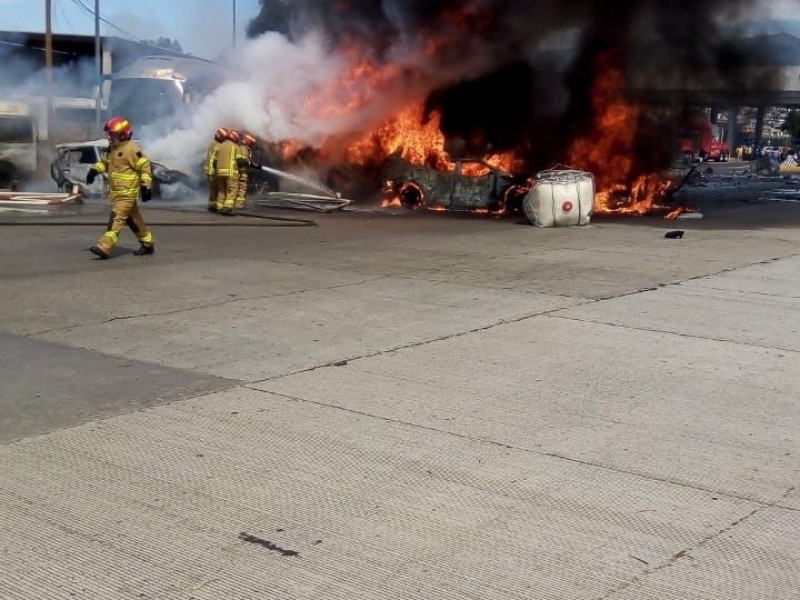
x=355, y=88
x=421, y=142
x=289, y=149
x=608, y=152
x=407, y=135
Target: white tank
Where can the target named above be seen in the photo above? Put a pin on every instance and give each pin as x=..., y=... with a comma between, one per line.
x=560, y=198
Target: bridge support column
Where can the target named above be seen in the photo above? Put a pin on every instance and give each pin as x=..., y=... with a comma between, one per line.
x=731, y=137
x=762, y=111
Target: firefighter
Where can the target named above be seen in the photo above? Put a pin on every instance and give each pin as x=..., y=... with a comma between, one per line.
x=246, y=146
x=129, y=177
x=210, y=167
x=228, y=158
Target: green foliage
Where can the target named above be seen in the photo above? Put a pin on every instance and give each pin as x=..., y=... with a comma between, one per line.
x=166, y=43
x=792, y=124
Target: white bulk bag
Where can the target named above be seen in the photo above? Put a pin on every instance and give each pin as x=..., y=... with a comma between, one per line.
x=560, y=198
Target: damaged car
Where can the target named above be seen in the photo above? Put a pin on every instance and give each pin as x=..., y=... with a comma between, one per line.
x=72, y=162
x=472, y=185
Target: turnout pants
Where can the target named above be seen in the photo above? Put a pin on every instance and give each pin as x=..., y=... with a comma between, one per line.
x=125, y=213
x=241, y=195
x=213, y=188
x=227, y=192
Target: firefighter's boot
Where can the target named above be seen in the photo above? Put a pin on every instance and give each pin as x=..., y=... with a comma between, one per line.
x=144, y=250
x=102, y=254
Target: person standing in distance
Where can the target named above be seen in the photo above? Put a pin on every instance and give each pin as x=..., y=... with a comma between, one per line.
x=246, y=145
x=129, y=177
x=210, y=167
x=228, y=159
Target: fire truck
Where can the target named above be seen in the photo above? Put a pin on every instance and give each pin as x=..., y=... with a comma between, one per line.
x=700, y=141
x=19, y=141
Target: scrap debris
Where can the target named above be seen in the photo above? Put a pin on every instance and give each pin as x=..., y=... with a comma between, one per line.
x=17, y=199
x=323, y=200
x=246, y=537
x=783, y=195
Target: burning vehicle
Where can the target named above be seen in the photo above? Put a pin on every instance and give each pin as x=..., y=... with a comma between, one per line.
x=471, y=185
x=368, y=93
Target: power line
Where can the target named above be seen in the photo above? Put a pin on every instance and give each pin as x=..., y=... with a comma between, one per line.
x=60, y=9
x=124, y=32
x=90, y=11
x=19, y=45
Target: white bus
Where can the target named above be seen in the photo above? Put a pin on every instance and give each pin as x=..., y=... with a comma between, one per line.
x=156, y=89
x=19, y=143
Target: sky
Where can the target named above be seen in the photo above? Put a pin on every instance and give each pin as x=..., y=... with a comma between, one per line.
x=203, y=27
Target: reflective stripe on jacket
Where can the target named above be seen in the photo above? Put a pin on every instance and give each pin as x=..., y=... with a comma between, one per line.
x=128, y=169
x=244, y=161
x=210, y=168
x=227, y=156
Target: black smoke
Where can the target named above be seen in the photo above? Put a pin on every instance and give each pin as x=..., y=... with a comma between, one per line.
x=533, y=92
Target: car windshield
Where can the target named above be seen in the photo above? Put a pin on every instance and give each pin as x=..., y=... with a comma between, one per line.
x=16, y=129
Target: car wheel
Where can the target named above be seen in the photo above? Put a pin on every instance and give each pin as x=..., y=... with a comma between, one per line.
x=411, y=196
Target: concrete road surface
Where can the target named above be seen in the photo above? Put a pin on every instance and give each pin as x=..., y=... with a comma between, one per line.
x=396, y=406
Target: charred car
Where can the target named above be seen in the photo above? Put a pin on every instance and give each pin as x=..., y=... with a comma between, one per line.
x=471, y=185
x=72, y=162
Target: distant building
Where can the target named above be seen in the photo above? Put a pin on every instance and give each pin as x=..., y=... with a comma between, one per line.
x=755, y=71
x=75, y=78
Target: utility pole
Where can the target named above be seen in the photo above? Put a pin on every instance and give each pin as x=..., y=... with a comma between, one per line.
x=98, y=60
x=234, y=23
x=48, y=53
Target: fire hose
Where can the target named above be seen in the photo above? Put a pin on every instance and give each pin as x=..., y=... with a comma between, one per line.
x=33, y=201
x=326, y=201
x=260, y=221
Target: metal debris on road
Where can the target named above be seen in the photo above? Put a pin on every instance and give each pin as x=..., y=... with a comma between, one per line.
x=17, y=199
x=246, y=537
x=325, y=201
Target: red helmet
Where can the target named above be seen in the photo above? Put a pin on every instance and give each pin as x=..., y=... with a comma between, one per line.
x=119, y=128
x=221, y=134
x=249, y=140
x=233, y=136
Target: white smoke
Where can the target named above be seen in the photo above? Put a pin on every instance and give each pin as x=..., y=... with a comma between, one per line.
x=20, y=77
x=283, y=90
x=74, y=116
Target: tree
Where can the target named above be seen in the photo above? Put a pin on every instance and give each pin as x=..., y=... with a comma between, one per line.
x=166, y=43
x=273, y=16
x=792, y=125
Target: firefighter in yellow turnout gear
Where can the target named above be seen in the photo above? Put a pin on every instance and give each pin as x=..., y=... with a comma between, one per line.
x=210, y=167
x=129, y=176
x=246, y=146
x=228, y=158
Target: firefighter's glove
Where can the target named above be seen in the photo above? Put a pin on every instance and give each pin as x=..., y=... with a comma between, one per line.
x=254, y=165
x=91, y=175
x=146, y=194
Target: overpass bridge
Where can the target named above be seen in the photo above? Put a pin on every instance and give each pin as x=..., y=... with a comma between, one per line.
x=758, y=72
